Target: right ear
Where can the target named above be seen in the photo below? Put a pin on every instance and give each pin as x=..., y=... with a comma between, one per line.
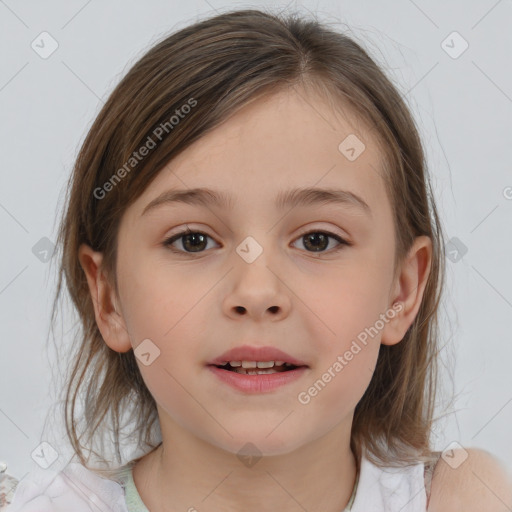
x=110, y=322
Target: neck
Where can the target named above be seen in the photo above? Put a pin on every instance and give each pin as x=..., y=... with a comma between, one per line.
x=185, y=473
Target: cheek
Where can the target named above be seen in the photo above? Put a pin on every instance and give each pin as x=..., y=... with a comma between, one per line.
x=346, y=328
x=157, y=299
x=344, y=301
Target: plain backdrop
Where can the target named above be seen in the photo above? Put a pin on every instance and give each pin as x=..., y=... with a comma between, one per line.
x=450, y=60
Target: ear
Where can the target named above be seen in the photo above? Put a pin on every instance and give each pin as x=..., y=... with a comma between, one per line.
x=110, y=322
x=408, y=290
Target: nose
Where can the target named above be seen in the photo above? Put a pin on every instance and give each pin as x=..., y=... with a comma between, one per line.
x=258, y=292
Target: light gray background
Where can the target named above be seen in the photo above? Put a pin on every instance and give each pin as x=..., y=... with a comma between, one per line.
x=463, y=106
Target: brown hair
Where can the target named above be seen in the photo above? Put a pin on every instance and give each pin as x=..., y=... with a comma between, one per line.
x=221, y=64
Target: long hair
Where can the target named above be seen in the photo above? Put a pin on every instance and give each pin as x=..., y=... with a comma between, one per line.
x=186, y=85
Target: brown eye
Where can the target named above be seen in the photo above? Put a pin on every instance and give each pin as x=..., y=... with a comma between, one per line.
x=196, y=241
x=318, y=241
x=190, y=241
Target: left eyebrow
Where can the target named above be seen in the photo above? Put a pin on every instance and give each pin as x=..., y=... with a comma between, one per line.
x=293, y=197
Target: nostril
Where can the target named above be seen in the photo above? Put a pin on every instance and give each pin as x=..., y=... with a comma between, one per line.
x=240, y=309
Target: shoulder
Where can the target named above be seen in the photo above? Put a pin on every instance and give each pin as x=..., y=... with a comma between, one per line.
x=474, y=481
x=74, y=488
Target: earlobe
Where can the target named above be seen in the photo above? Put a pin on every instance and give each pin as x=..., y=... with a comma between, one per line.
x=110, y=322
x=409, y=289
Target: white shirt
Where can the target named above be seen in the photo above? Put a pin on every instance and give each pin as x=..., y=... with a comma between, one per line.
x=79, y=489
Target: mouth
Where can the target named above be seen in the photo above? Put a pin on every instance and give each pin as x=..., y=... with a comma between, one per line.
x=254, y=360
x=258, y=367
x=255, y=377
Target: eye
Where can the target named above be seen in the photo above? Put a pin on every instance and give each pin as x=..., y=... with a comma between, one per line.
x=319, y=240
x=196, y=241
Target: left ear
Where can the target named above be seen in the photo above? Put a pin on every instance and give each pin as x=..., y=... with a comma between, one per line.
x=408, y=290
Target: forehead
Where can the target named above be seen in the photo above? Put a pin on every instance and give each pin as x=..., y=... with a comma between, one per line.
x=290, y=139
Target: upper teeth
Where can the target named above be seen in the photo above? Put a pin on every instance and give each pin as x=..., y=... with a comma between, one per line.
x=259, y=364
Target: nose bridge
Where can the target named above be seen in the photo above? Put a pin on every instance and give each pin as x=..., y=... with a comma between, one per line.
x=257, y=289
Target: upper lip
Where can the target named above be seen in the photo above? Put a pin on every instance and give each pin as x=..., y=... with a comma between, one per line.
x=250, y=353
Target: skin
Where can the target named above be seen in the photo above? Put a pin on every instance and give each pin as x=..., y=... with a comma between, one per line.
x=481, y=482
x=190, y=306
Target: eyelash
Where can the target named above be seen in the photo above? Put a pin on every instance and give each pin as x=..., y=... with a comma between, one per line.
x=169, y=241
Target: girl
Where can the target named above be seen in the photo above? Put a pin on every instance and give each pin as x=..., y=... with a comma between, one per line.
x=253, y=200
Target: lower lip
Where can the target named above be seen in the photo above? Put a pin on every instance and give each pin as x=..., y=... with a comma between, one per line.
x=257, y=383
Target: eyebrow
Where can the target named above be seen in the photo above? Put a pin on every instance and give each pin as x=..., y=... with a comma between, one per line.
x=287, y=198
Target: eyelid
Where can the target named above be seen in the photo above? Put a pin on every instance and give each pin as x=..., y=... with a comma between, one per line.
x=328, y=231
x=187, y=229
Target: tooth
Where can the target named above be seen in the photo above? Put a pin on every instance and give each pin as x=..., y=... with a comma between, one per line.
x=265, y=364
x=278, y=363
x=235, y=364
x=267, y=372
x=248, y=364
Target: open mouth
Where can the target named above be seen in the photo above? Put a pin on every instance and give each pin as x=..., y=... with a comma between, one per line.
x=258, y=368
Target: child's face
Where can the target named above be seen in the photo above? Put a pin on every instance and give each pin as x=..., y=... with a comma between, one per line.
x=194, y=306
